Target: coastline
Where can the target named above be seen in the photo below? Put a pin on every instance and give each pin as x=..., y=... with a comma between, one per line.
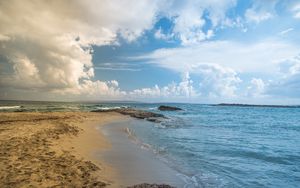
x=136, y=162
x=57, y=149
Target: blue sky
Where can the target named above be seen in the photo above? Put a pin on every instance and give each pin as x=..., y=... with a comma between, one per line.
x=170, y=50
x=273, y=23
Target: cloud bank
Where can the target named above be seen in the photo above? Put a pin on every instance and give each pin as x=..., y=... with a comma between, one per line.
x=47, y=45
x=46, y=48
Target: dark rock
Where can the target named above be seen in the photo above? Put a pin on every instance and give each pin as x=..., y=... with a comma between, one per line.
x=168, y=108
x=146, y=185
x=155, y=120
x=139, y=114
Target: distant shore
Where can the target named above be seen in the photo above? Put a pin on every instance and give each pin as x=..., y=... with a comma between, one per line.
x=55, y=149
x=258, y=105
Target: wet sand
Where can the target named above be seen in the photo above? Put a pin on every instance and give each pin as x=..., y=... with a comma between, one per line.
x=135, y=161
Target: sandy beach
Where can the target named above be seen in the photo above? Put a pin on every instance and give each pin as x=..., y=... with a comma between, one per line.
x=61, y=149
x=53, y=149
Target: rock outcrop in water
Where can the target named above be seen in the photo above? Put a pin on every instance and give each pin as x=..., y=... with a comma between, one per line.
x=139, y=114
x=146, y=185
x=168, y=108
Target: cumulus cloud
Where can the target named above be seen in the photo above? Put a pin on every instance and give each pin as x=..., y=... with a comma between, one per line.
x=217, y=81
x=289, y=83
x=97, y=88
x=47, y=45
x=164, y=36
x=189, y=18
x=260, y=11
x=219, y=64
x=257, y=87
x=183, y=89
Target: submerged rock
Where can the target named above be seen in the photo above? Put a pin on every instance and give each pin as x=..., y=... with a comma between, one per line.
x=146, y=185
x=139, y=114
x=168, y=108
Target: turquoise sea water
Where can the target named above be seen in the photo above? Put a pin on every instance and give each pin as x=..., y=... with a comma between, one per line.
x=213, y=146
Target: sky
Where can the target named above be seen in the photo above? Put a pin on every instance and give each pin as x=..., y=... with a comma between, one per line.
x=196, y=51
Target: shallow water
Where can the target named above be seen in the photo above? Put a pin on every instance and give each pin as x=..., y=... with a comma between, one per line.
x=135, y=162
x=214, y=146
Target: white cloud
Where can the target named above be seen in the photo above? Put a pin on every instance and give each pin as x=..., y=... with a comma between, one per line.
x=261, y=11
x=284, y=32
x=95, y=88
x=4, y=37
x=160, y=35
x=219, y=64
x=189, y=18
x=257, y=17
x=183, y=89
x=296, y=10
x=115, y=66
x=257, y=88
x=260, y=57
x=288, y=84
x=217, y=81
x=290, y=66
x=47, y=46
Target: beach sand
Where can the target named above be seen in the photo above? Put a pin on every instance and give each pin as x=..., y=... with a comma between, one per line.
x=53, y=149
x=61, y=149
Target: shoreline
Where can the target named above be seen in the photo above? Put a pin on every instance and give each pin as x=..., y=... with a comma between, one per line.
x=135, y=161
x=57, y=149
x=91, y=141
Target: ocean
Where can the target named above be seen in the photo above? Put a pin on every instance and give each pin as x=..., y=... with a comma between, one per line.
x=211, y=145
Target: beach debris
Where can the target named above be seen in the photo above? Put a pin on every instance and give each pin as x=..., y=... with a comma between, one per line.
x=168, y=108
